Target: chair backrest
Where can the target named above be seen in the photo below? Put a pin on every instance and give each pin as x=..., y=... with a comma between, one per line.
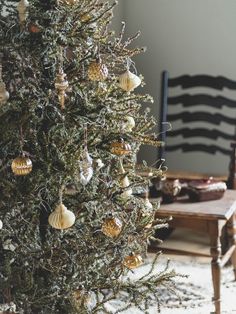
x=202, y=112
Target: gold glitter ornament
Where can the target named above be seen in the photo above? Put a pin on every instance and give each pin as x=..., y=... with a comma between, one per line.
x=4, y=95
x=61, y=217
x=61, y=84
x=133, y=261
x=120, y=148
x=21, y=166
x=22, y=8
x=97, y=71
x=112, y=226
x=82, y=298
x=128, y=81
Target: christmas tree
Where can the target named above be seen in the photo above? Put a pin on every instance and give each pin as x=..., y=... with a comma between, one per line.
x=71, y=125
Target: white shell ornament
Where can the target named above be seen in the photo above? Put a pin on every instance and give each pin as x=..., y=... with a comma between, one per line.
x=98, y=164
x=128, y=124
x=61, y=218
x=86, y=169
x=1, y=224
x=129, y=81
x=22, y=8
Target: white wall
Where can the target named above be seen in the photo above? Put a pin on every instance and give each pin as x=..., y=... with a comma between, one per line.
x=184, y=37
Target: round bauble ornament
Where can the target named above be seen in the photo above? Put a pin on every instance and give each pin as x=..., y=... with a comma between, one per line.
x=120, y=148
x=34, y=28
x=21, y=166
x=133, y=261
x=129, y=81
x=61, y=217
x=128, y=124
x=97, y=71
x=1, y=224
x=112, y=226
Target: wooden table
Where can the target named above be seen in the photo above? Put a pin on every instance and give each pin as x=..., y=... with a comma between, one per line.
x=209, y=217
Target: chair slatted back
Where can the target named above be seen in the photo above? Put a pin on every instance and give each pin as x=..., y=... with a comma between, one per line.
x=201, y=114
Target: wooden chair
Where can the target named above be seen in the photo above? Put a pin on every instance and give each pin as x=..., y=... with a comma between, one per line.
x=210, y=217
x=195, y=106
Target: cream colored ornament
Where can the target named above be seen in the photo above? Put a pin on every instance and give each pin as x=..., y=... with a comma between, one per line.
x=22, y=8
x=61, y=218
x=98, y=164
x=1, y=224
x=128, y=81
x=128, y=124
x=4, y=95
x=86, y=168
x=124, y=184
x=148, y=204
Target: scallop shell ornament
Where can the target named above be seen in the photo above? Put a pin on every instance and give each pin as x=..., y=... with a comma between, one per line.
x=21, y=166
x=133, y=261
x=61, y=218
x=128, y=81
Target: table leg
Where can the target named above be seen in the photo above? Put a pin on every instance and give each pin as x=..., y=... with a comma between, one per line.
x=215, y=232
x=232, y=235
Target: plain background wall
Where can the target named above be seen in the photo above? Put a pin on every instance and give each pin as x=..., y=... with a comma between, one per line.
x=185, y=37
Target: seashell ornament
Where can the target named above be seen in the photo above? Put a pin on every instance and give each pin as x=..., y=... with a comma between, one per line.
x=61, y=218
x=128, y=124
x=1, y=224
x=98, y=163
x=86, y=168
x=22, y=8
x=4, y=95
x=124, y=184
x=128, y=81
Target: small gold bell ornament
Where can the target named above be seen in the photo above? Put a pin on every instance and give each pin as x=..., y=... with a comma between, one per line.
x=128, y=81
x=120, y=148
x=133, y=261
x=22, y=8
x=61, y=217
x=97, y=71
x=112, y=226
x=4, y=95
x=21, y=166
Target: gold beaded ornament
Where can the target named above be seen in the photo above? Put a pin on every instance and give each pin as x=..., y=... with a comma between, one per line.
x=133, y=261
x=112, y=226
x=97, y=71
x=120, y=148
x=21, y=166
